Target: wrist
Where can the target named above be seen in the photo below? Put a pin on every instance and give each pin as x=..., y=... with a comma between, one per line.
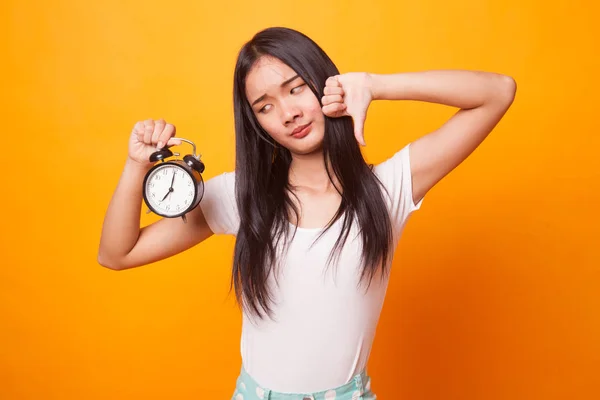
x=375, y=86
x=136, y=166
x=391, y=86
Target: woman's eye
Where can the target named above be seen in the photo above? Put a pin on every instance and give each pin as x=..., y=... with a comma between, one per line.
x=297, y=88
x=264, y=109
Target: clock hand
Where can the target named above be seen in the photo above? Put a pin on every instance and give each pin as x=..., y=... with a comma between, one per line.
x=173, y=180
x=170, y=188
x=169, y=192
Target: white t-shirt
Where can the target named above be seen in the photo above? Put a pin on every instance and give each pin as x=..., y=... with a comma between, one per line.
x=324, y=324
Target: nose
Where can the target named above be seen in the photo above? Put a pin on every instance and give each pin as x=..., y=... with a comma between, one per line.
x=289, y=112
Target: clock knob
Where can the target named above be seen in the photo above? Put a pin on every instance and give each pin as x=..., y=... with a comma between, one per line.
x=160, y=155
x=194, y=163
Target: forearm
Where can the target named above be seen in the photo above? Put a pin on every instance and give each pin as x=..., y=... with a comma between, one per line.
x=457, y=88
x=121, y=227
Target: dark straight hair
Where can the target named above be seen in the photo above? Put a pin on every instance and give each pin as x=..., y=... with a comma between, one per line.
x=261, y=176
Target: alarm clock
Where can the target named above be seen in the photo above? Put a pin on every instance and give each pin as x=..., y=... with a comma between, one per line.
x=172, y=188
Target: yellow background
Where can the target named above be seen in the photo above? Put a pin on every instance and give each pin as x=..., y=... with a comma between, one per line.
x=495, y=291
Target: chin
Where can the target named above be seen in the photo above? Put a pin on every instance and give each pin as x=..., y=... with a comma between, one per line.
x=306, y=152
x=309, y=147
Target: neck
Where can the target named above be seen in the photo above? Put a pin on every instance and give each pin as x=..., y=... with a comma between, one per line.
x=308, y=171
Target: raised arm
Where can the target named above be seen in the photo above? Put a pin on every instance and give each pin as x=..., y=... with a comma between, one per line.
x=123, y=244
x=483, y=99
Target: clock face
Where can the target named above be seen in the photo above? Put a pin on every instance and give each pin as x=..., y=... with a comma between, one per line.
x=170, y=190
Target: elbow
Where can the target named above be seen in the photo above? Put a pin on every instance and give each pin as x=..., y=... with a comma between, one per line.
x=108, y=263
x=508, y=88
x=502, y=91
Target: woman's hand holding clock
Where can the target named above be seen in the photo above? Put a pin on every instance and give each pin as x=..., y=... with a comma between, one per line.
x=148, y=136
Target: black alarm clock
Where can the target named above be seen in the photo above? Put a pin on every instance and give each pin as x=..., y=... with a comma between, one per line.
x=172, y=188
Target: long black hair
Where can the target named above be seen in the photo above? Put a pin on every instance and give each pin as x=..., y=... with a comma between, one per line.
x=261, y=175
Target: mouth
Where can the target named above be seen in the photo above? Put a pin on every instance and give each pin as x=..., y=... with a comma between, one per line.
x=302, y=131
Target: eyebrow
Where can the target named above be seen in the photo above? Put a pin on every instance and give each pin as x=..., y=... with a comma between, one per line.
x=261, y=98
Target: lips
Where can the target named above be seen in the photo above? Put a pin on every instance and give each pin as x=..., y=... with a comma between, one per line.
x=301, y=131
x=298, y=129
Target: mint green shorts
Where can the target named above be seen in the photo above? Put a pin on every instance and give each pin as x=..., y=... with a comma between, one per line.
x=359, y=388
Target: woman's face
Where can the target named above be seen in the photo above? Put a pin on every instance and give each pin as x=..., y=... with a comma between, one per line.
x=285, y=106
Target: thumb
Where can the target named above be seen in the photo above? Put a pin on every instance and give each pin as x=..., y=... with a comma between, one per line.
x=359, y=125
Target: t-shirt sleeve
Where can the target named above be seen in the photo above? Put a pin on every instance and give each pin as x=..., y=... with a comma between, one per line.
x=396, y=176
x=219, y=206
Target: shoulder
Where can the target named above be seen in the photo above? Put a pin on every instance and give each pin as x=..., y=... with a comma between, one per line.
x=395, y=175
x=219, y=204
x=224, y=181
x=395, y=166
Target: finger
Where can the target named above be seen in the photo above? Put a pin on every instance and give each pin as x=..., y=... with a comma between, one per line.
x=167, y=133
x=333, y=90
x=334, y=110
x=335, y=98
x=159, y=127
x=148, y=129
x=332, y=81
x=174, y=142
x=138, y=130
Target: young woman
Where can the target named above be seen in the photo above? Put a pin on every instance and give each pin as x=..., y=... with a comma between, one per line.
x=315, y=225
